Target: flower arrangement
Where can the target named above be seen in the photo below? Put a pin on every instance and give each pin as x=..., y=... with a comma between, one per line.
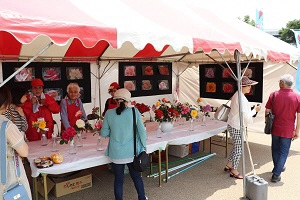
x=141, y=107
x=40, y=125
x=98, y=124
x=205, y=109
x=68, y=135
x=184, y=110
x=165, y=111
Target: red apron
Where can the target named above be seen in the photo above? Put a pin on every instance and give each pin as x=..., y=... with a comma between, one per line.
x=72, y=109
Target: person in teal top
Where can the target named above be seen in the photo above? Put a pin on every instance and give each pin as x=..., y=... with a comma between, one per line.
x=118, y=126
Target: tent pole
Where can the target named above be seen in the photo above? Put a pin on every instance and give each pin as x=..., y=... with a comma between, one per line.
x=237, y=57
x=27, y=63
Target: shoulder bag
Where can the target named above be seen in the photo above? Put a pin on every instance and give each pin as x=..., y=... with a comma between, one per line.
x=270, y=119
x=222, y=112
x=17, y=190
x=141, y=161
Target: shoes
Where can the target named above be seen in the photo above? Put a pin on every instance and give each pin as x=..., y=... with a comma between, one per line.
x=283, y=169
x=275, y=178
x=227, y=169
x=237, y=176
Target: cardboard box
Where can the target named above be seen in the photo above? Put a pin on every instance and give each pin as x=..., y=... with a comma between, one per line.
x=194, y=147
x=73, y=183
x=40, y=185
x=179, y=150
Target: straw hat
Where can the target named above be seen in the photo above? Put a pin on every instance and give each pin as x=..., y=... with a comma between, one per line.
x=246, y=81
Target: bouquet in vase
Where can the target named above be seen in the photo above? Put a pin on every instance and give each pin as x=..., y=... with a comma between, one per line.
x=165, y=111
x=40, y=125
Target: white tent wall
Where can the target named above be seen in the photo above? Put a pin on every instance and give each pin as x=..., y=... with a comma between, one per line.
x=189, y=88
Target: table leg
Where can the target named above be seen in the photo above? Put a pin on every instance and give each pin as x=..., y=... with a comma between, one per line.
x=45, y=186
x=210, y=140
x=34, y=187
x=167, y=163
x=159, y=167
x=226, y=149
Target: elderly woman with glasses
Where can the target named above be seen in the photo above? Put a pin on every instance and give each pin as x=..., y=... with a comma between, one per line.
x=111, y=102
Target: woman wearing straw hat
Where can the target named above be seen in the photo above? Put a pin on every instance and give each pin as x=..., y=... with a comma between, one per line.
x=233, y=125
x=118, y=126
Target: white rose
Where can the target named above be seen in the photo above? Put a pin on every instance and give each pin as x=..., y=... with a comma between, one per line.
x=80, y=123
x=168, y=104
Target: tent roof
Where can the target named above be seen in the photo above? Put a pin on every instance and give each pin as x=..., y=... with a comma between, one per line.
x=128, y=29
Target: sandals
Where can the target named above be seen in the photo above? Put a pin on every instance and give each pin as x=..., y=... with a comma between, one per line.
x=227, y=168
x=237, y=176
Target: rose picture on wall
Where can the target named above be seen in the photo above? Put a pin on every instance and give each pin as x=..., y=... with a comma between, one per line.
x=226, y=73
x=163, y=69
x=147, y=70
x=227, y=88
x=56, y=93
x=211, y=87
x=74, y=73
x=210, y=72
x=51, y=73
x=249, y=72
x=130, y=85
x=146, y=85
x=26, y=74
x=163, y=84
x=129, y=70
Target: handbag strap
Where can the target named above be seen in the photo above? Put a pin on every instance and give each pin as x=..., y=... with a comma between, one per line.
x=134, y=130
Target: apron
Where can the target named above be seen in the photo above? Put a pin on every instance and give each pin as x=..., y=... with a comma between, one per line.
x=72, y=110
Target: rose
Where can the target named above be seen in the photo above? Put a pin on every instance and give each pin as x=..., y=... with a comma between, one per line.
x=199, y=100
x=51, y=74
x=68, y=135
x=148, y=70
x=129, y=85
x=98, y=125
x=129, y=71
x=207, y=108
x=210, y=87
x=194, y=113
x=159, y=114
x=227, y=88
x=146, y=85
x=210, y=73
x=164, y=70
x=226, y=73
x=162, y=85
x=80, y=123
x=75, y=74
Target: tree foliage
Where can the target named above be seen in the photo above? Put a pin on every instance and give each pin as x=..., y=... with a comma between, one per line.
x=248, y=20
x=286, y=34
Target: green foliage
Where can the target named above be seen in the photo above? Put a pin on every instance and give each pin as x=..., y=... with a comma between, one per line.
x=248, y=20
x=286, y=34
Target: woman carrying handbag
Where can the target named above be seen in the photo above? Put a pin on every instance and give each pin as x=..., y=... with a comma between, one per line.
x=14, y=142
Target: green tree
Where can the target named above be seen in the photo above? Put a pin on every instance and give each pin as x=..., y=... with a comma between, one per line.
x=248, y=20
x=286, y=34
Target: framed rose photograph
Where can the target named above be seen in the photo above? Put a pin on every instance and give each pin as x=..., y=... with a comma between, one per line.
x=130, y=70
x=249, y=72
x=163, y=84
x=74, y=73
x=211, y=87
x=147, y=85
x=130, y=85
x=81, y=93
x=51, y=73
x=210, y=72
x=226, y=73
x=26, y=74
x=56, y=93
x=227, y=87
x=163, y=69
x=147, y=70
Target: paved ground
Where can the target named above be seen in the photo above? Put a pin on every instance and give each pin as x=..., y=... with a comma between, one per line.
x=206, y=180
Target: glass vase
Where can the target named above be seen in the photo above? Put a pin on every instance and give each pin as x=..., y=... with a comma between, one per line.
x=54, y=144
x=72, y=147
x=191, y=128
x=181, y=120
x=79, y=142
x=203, y=121
x=99, y=144
x=44, y=139
x=84, y=134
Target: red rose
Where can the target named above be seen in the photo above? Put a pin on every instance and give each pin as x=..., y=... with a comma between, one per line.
x=227, y=88
x=148, y=70
x=164, y=70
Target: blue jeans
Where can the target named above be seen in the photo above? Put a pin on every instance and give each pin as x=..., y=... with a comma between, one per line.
x=119, y=180
x=280, y=152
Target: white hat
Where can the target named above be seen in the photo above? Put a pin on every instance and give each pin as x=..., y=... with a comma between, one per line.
x=246, y=81
x=122, y=94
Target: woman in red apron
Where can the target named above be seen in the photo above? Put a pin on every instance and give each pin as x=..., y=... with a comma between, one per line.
x=111, y=102
x=71, y=107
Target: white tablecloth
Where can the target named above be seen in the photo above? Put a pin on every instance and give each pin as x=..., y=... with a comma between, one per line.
x=87, y=156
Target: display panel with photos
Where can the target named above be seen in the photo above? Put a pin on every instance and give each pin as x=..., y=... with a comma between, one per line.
x=146, y=78
x=217, y=82
x=26, y=74
x=56, y=77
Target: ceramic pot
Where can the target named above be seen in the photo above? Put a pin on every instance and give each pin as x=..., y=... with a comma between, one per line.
x=166, y=127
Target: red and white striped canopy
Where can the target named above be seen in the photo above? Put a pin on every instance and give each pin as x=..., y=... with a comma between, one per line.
x=90, y=30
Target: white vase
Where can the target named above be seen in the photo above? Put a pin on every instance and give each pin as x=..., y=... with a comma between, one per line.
x=166, y=127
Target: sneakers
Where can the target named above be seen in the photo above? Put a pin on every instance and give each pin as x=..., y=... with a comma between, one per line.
x=283, y=169
x=275, y=178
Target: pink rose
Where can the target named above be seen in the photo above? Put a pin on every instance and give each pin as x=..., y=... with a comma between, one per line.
x=129, y=85
x=129, y=71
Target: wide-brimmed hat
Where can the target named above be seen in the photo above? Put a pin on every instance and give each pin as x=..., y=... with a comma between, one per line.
x=37, y=82
x=122, y=94
x=246, y=81
x=114, y=86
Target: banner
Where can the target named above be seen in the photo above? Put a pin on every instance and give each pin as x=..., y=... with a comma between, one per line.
x=259, y=19
x=297, y=37
x=298, y=76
